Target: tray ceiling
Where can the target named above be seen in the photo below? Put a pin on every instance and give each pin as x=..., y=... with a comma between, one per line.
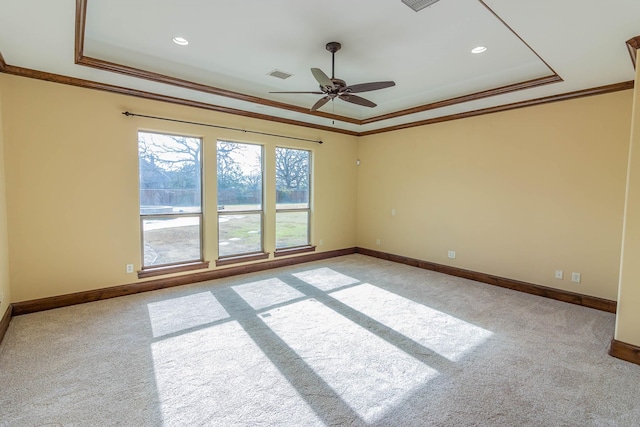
x=534, y=50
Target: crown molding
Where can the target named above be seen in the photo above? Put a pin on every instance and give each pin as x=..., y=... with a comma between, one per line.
x=161, y=78
x=81, y=21
x=601, y=90
x=81, y=10
x=633, y=45
x=467, y=98
x=81, y=59
x=88, y=84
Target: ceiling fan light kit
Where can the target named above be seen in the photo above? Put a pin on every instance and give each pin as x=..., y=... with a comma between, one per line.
x=333, y=87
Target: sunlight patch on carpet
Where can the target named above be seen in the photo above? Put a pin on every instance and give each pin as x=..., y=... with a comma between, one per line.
x=219, y=376
x=446, y=335
x=325, y=278
x=265, y=293
x=178, y=314
x=369, y=374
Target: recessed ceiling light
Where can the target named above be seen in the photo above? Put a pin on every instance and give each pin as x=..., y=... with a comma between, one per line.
x=478, y=49
x=181, y=41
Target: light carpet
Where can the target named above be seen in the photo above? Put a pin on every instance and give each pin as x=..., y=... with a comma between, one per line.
x=350, y=341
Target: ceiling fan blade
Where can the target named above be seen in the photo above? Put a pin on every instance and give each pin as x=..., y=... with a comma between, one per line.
x=322, y=78
x=365, y=87
x=315, y=93
x=320, y=103
x=354, y=99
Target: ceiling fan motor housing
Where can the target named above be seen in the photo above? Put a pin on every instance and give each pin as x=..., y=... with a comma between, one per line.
x=339, y=85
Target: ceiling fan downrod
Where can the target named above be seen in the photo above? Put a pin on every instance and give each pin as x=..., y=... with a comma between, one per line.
x=333, y=47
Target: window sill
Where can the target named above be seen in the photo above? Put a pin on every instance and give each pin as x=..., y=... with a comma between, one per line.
x=293, y=251
x=241, y=258
x=159, y=271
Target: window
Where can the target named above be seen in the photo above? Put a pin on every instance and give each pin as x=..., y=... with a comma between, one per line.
x=240, y=193
x=170, y=199
x=292, y=197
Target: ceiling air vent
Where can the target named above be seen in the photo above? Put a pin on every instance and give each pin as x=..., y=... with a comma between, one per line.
x=417, y=5
x=279, y=74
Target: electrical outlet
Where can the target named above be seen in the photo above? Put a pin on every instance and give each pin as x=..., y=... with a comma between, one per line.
x=576, y=277
x=451, y=254
x=320, y=242
x=129, y=268
x=559, y=274
x=378, y=241
x=393, y=212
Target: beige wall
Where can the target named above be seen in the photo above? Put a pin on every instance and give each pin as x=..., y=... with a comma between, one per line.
x=517, y=194
x=628, y=316
x=5, y=292
x=72, y=174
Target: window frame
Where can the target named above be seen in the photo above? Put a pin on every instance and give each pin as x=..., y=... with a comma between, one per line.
x=287, y=250
x=146, y=270
x=243, y=256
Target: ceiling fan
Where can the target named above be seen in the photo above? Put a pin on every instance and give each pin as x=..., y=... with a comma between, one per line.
x=333, y=88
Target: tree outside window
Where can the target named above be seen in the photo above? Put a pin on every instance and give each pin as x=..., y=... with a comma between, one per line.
x=240, y=193
x=293, y=175
x=170, y=199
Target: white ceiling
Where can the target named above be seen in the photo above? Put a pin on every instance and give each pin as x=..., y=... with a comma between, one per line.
x=235, y=44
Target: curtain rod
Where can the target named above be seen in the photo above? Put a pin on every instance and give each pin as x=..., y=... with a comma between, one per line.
x=129, y=114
